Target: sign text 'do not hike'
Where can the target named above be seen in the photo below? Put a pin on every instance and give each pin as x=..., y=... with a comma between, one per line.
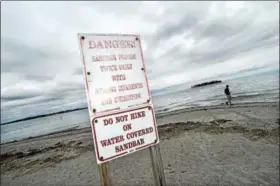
x=119, y=134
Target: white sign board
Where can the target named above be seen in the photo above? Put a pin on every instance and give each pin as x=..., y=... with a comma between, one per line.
x=124, y=132
x=114, y=72
x=119, y=100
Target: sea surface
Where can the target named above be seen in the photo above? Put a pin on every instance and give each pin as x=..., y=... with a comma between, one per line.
x=261, y=87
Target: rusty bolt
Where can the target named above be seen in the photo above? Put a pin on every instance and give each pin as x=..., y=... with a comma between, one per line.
x=136, y=38
x=142, y=68
x=148, y=101
x=155, y=141
x=93, y=110
x=88, y=73
x=96, y=121
x=82, y=37
x=101, y=158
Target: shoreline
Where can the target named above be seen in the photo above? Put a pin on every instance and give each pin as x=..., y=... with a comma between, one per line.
x=166, y=132
x=42, y=116
x=83, y=108
x=219, y=106
x=196, y=147
x=158, y=116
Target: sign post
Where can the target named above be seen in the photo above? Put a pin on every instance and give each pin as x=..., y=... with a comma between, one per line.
x=157, y=165
x=104, y=175
x=119, y=100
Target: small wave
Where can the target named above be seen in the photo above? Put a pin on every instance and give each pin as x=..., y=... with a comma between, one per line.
x=253, y=95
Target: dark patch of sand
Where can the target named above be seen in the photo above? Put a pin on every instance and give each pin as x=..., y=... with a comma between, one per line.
x=51, y=155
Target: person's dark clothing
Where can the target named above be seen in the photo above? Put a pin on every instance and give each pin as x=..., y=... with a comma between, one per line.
x=227, y=91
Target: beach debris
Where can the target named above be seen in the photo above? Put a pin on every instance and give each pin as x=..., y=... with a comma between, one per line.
x=19, y=155
x=169, y=170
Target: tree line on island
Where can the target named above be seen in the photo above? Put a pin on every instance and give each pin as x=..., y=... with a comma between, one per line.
x=206, y=83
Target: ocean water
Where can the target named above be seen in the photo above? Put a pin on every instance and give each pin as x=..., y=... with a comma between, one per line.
x=253, y=88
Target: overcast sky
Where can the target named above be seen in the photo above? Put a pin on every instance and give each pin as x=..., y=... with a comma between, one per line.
x=183, y=42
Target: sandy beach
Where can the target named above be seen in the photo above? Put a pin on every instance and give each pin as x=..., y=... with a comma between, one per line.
x=219, y=145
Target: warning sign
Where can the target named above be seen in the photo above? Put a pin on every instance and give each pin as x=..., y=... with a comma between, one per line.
x=114, y=72
x=124, y=132
x=120, y=108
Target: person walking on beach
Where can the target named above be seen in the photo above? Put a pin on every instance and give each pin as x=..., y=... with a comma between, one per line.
x=227, y=92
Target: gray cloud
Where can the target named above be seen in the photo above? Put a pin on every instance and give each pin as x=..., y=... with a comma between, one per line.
x=229, y=38
x=187, y=22
x=24, y=55
x=41, y=70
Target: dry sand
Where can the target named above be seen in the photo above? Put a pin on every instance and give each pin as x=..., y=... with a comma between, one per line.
x=223, y=145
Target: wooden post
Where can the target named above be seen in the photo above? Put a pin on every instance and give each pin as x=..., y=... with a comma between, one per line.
x=104, y=175
x=160, y=166
x=157, y=166
x=154, y=166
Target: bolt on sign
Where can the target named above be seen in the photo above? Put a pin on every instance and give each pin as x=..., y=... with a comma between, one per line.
x=119, y=100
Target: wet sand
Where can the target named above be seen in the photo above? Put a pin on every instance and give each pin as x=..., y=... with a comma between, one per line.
x=221, y=145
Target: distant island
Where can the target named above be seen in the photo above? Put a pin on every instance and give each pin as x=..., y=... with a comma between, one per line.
x=43, y=115
x=207, y=83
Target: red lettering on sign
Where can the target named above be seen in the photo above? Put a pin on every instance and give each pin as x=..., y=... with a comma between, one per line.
x=125, y=67
x=127, y=127
x=118, y=77
x=127, y=56
x=121, y=118
x=100, y=44
x=123, y=88
x=108, y=68
x=139, y=133
x=127, y=98
x=112, y=141
x=105, y=90
x=108, y=121
x=104, y=58
x=137, y=115
x=129, y=145
x=95, y=44
x=91, y=44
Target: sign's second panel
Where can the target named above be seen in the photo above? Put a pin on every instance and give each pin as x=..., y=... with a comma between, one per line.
x=124, y=132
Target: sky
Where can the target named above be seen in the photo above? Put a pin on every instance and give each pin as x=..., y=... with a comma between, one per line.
x=183, y=42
